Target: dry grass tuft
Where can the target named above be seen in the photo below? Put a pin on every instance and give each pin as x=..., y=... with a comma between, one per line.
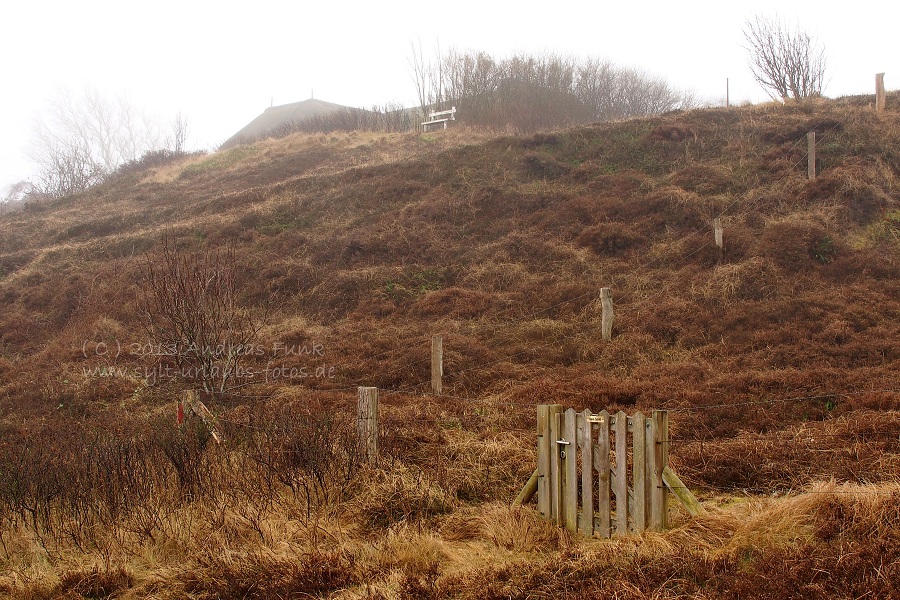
x=401, y=495
x=261, y=575
x=753, y=279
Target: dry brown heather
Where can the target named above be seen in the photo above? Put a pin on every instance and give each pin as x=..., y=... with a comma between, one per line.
x=779, y=366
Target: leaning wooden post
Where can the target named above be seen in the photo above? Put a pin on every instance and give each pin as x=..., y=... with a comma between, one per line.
x=811, y=152
x=528, y=491
x=192, y=403
x=879, y=93
x=367, y=422
x=606, y=316
x=437, y=363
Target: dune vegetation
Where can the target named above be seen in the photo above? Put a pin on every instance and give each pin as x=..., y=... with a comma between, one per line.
x=776, y=357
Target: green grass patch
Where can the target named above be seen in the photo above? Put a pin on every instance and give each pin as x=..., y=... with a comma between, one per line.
x=219, y=161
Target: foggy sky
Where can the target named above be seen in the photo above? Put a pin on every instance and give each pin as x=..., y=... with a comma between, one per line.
x=221, y=64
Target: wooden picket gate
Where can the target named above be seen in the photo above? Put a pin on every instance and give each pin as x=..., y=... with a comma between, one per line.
x=605, y=474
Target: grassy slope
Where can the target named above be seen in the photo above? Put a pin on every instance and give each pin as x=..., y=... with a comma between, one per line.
x=778, y=365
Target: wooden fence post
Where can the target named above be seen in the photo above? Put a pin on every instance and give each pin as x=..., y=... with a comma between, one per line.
x=367, y=422
x=544, y=445
x=879, y=93
x=719, y=237
x=811, y=153
x=437, y=363
x=607, y=317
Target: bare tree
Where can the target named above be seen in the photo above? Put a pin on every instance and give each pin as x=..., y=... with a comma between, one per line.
x=177, y=142
x=422, y=74
x=786, y=62
x=81, y=140
x=530, y=92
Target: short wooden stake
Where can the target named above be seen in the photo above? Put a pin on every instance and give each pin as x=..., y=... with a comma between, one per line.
x=880, y=97
x=607, y=317
x=811, y=145
x=367, y=422
x=437, y=364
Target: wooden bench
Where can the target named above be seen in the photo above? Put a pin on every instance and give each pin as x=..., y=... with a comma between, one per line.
x=439, y=118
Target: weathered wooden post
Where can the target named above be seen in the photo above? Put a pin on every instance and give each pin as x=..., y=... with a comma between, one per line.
x=880, y=97
x=719, y=237
x=606, y=316
x=811, y=152
x=367, y=422
x=437, y=364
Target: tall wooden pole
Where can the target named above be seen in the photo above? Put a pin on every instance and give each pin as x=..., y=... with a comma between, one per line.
x=719, y=237
x=879, y=93
x=367, y=422
x=606, y=316
x=437, y=364
x=811, y=145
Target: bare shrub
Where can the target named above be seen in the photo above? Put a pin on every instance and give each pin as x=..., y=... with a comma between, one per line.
x=95, y=583
x=262, y=575
x=191, y=311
